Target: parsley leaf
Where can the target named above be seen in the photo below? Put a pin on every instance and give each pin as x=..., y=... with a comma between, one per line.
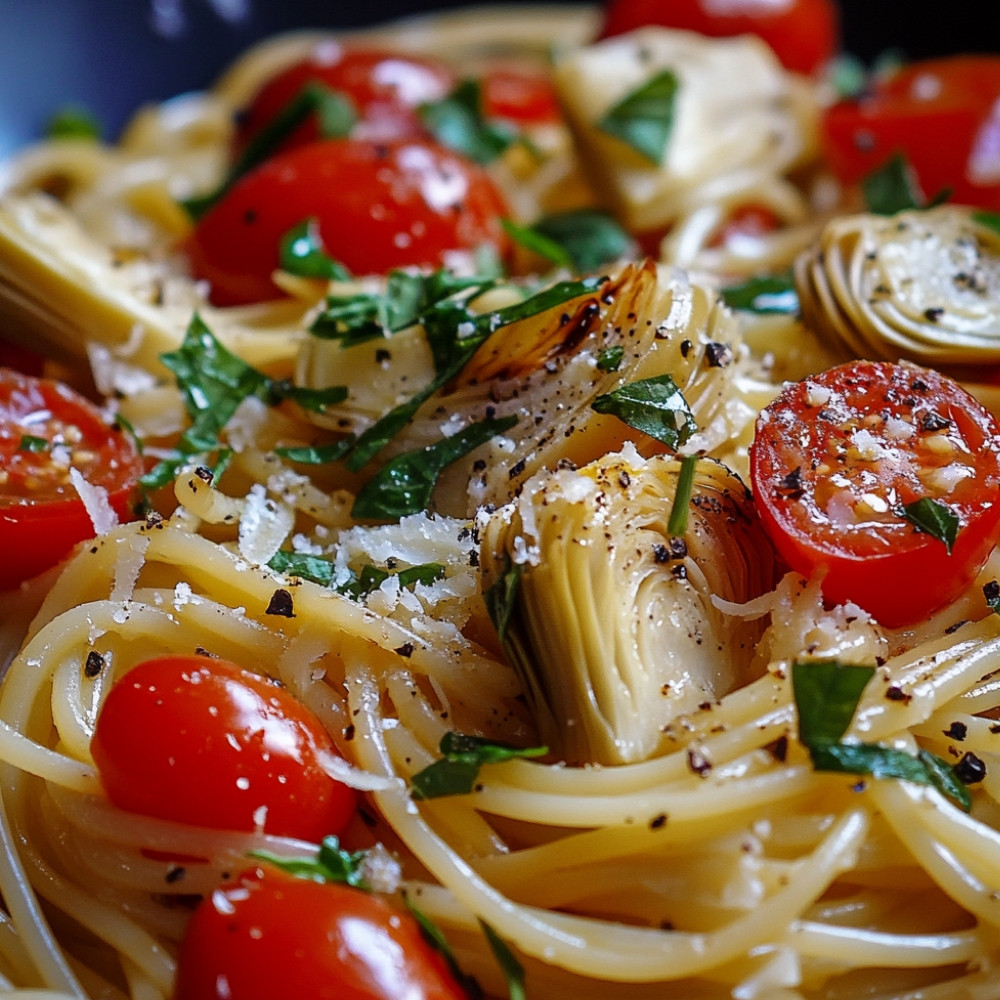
x=30, y=442
x=654, y=406
x=933, y=518
x=455, y=773
x=644, y=118
x=610, y=359
x=772, y=294
x=457, y=122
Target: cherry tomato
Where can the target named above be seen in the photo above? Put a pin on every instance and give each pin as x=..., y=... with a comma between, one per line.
x=385, y=88
x=804, y=34
x=203, y=741
x=837, y=456
x=271, y=934
x=746, y=221
x=525, y=97
x=377, y=206
x=941, y=114
x=47, y=430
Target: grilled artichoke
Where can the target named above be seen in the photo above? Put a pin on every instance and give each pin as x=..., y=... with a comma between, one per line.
x=608, y=619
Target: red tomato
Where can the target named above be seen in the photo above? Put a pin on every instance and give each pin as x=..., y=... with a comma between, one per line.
x=271, y=934
x=837, y=455
x=378, y=206
x=525, y=97
x=385, y=88
x=941, y=114
x=804, y=34
x=47, y=429
x=203, y=741
x=748, y=220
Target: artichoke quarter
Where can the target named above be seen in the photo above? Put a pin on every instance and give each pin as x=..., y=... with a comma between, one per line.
x=922, y=285
x=608, y=619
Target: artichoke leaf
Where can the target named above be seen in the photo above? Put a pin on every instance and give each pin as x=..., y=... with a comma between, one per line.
x=612, y=626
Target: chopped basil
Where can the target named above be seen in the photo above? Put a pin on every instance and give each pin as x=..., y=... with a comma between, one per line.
x=933, y=518
x=644, y=118
x=991, y=220
x=773, y=294
x=319, y=454
x=29, y=442
x=73, y=122
x=892, y=188
x=826, y=694
x=372, y=577
x=512, y=969
x=457, y=122
x=677, y=524
x=501, y=597
x=458, y=768
x=584, y=239
x=301, y=253
x=404, y=484
x=432, y=934
x=331, y=864
x=610, y=359
x=303, y=565
x=654, y=406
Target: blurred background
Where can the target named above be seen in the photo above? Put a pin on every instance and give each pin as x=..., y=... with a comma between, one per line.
x=111, y=55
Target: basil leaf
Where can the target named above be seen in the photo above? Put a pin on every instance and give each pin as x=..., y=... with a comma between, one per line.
x=644, y=118
x=501, y=597
x=318, y=454
x=432, y=934
x=654, y=406
x=404, y=484
x=462, y=756
x=763, y=295
x=535, y=241
x=73, y=122
x=29, y=442
x=590, y=237
x=457, y=122
x=827, y=693
x=331, y=864
x=301, y=253
x=677, y=524
x=512, y=969
x=991, y=220
x=933, y=518
x=314, y=400
x=372, y=577
x=892, y=188
x=303, y=565
x=610, y=359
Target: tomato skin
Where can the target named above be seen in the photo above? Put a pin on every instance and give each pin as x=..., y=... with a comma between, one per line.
x=271, y=934
x=804, y=34
x=200, y=740
x=41, y=514
x=386, y=88
x=829, y=498
x=378, y=206
x=525, y=97
x=940, y=114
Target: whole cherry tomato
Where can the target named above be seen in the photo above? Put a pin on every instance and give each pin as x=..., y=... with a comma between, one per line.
x=377, y=206
x=203, y=741
x=804, y=34
x=270, y=934
x=46, y=431
x=385, y=88
x=837, y=460
x=940, y=114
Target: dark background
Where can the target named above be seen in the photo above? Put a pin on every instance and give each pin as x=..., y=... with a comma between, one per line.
x=111, y=55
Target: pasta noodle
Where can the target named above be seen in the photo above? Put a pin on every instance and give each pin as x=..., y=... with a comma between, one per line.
x=682, y=846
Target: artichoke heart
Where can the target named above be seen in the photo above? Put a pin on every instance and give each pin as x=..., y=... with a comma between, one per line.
x=922, y=285
x=612, y=625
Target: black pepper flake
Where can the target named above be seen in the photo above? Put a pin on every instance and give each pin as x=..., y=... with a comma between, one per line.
x=94, y=664
x=658, y=822
x=516, y=469
x=778, y=749
x=991, y=591
x=896, y=693
x=934, y=314
x=281, y=604
x=175, y=874
x=678, y=548
x=933, y=421
x=349, y=732
x=995, y=729
x=957, y=731
x=204, y=474
x=718, y=355
x=970, y=769
x=406, y=649
x=698, y=762
x=686, y=346
x=679, y=572
x=790, y=487
x=661, y=553
x=382, y=355
x=919, y=385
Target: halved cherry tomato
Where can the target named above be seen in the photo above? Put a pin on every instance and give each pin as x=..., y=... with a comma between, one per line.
x=836, y=458
x=47, y=430
x=203, y=741
x=385, y=88
x=270, y=934
x=523, y=96
x=747, y=220
x=377, y=206
x=941, y=114
x=804, y=34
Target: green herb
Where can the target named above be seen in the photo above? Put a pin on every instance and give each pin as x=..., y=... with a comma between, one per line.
x=772, y=294
x=372, y=577
x=991, y=220
x=644, y=118
x=991, y=592
x=654, y=406
x=610, y=359
x=319, y=454
x=304, y=566
x=512, y=969
x=826, y=694
x=73, y=122
x=583, y=239
x=501, y=597
x=537, y=242
x=458, y=768
x=933, y=518
x=677, y=524
x=432, y=934
x=331, y=864
x=457, y=122
x=404, y=484
x=892, y=188
x=301, y=253
x=29, y=442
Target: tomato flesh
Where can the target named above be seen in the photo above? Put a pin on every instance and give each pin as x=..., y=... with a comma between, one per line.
x=940, y=114
x=46, y=430
x=377, y=206
x=385, y=88
x=525, y=97
x=270, y=934
x=836, y=456
x=203, y=741
x=804, y=34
